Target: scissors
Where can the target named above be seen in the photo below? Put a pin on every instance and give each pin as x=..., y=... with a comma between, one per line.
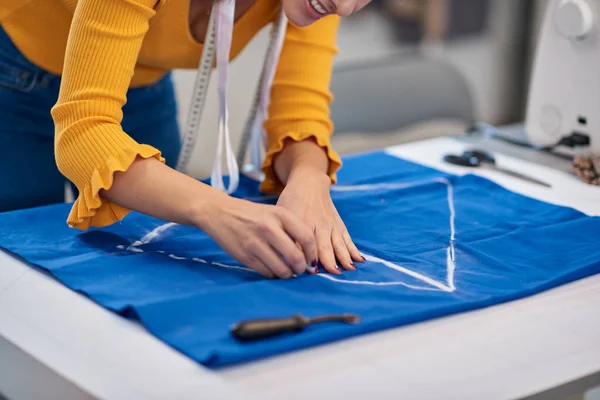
x=483, y=159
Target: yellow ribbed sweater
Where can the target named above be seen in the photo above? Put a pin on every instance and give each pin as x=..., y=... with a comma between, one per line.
x=102, y=47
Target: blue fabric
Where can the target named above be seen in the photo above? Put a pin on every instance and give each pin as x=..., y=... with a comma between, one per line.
x=187, y=292
x=27, y=93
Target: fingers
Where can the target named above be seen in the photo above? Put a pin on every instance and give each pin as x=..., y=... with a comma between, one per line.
x=326, y=252
x=352, y=249
x=271, y=260
x=301, y=234
x=258, y=266
x=341, y=251
x=289, y=250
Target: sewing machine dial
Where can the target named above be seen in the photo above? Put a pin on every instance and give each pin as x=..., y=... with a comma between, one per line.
x=574, y=19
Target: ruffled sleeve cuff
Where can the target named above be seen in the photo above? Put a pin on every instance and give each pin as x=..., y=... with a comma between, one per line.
x=91, y=165
x=271, y=184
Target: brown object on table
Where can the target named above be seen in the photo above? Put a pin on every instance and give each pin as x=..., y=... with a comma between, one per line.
x=264, y=328
x=587, y=168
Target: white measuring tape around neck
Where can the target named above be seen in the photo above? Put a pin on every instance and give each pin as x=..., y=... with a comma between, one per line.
x=219, y=35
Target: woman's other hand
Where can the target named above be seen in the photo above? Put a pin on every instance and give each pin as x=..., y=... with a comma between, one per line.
x=307, y=196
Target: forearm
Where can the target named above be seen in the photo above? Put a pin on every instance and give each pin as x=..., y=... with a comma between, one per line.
x=300, y=157
x=150, y=187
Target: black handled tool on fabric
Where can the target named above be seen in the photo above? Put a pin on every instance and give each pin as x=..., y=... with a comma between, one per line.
x=479, y=158
x=264, y=328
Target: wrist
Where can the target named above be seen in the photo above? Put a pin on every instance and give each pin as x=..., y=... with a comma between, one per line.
x=305, y=172
x=207, y=209
x=300, y=159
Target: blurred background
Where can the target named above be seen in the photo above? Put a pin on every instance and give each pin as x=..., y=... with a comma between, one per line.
x=407, y=70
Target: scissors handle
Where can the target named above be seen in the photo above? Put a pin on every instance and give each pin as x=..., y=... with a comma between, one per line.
x=461, y=160
x=481, y=155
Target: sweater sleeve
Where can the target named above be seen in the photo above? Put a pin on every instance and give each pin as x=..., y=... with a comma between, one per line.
x=300, y=95
x=90, y=144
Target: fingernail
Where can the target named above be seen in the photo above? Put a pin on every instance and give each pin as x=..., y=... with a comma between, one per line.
x=312, y=270
x=338, y=267
x=353, y=265
x=315, y=264
x=363, y=258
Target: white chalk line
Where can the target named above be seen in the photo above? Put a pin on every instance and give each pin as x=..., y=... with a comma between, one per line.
x=411, y=273
x=176, y=257
x=449, y=286
x=450, y=252
x=153, y=234
x=436, y=285
x=450, y=267
x=386, y=186
x=369, y=283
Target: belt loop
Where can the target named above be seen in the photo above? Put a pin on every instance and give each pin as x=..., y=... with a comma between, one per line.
x=45, y=80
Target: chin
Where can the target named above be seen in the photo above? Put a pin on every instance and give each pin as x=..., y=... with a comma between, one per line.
x=295, y=10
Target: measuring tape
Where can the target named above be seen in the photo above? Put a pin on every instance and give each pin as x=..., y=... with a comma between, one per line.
x=253, y=132
x=218, y=37
x=189, y=136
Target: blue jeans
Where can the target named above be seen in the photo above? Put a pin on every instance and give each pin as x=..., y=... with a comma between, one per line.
x=28, y=173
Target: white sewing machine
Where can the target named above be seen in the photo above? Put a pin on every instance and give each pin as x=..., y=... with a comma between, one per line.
x=564, y=96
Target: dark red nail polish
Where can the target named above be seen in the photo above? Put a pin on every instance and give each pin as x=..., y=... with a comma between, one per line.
x=315, y=264
x=353, y=265
x=363, y=258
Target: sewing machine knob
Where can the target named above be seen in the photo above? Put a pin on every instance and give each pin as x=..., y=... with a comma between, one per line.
x=550, y=120
x=574, y=18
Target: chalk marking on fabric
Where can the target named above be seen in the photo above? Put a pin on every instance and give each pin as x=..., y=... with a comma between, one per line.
x=153, y=234
x=449, y=286
x=379, y=186
x=451, y=254
x=232, y=267
x=369, y=283
x=416, y=275
x=450, y=267
x=176, y=257
x=451, y=208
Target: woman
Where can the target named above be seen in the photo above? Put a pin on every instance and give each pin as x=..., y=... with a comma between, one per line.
x=85, y=93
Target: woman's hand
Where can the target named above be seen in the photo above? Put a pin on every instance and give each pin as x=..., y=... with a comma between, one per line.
x=307, y=196
x=269, y=239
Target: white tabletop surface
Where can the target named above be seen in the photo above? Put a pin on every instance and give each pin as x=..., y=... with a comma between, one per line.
x=507, y=351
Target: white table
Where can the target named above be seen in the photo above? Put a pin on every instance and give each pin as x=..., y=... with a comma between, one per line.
x=57, y=344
